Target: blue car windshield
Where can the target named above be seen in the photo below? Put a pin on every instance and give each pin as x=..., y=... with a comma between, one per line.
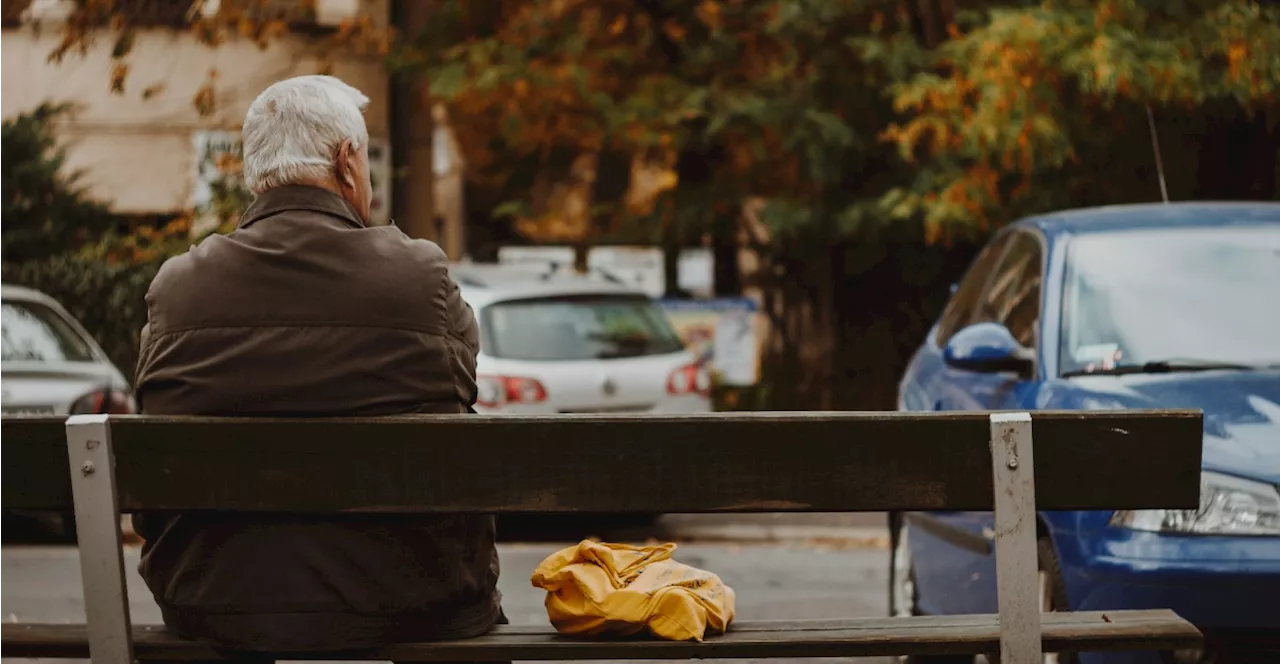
x=1172, y=296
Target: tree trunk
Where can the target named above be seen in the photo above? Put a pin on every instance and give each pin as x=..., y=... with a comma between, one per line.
x=1238, y=159
x=671, y=256
x=412, y=127
x=948, y=10
x=928, y=23
x=724, y=250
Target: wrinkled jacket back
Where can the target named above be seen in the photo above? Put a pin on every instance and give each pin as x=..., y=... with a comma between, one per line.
x=304, y=311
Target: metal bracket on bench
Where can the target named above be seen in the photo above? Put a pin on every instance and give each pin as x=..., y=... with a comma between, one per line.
x=1017, y=575
x=93, y=485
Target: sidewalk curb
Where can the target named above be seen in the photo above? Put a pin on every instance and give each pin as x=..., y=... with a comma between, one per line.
x=833, y=536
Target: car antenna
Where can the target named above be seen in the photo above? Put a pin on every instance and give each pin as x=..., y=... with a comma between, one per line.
x=1155, y=147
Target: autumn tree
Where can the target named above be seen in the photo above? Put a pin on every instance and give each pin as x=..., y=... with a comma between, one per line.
x=844, y=131
x=859, y=121
x=1061, y=104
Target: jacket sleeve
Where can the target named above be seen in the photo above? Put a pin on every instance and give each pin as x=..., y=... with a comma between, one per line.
x=465, y=335
x=462, y=320
x=144, y=348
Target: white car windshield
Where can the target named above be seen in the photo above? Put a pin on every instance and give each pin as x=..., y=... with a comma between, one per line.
x=577, y=328
x=35, y=333
x=1179, y=297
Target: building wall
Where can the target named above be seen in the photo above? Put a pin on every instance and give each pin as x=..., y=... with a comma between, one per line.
x=139, y=154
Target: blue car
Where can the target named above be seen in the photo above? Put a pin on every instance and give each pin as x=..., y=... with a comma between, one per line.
x=1144, y=306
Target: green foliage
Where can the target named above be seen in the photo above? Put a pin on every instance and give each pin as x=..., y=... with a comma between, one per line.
x=1012, y=113
x=742, y=99
x=49, y=227
x=107, y=298
x=868, y=127
x=863, y=112
x=45, y=208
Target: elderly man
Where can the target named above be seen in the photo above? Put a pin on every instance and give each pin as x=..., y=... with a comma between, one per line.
x=309, y=309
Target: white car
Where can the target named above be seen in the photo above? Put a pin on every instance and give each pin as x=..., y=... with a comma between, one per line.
x=52, y=366
x=555, y=343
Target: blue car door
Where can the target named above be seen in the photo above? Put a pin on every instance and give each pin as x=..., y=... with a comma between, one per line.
x=952, y=551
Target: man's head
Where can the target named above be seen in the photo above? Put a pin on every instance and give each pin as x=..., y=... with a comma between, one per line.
x=309, y=130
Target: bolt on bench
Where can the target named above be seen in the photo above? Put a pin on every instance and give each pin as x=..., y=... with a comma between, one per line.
x=764, y=462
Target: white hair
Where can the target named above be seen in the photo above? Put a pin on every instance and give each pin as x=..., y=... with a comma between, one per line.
x=294, y=128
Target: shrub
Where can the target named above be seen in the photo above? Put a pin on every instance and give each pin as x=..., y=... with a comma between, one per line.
x=46, y=210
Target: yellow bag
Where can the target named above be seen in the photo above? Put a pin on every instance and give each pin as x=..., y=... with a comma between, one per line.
x=597, y=589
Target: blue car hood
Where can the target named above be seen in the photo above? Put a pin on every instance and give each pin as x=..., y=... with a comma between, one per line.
x=1241, y=411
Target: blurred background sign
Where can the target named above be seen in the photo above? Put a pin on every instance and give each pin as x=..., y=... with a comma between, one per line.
x=725, y=332
x=638, y=267
x=547, y=256
x=213, y=149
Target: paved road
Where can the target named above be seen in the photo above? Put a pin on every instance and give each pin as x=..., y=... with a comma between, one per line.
x=780, y=568
x=865, y=530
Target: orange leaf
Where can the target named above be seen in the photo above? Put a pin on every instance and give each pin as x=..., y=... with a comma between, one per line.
x=118, y=73
x=932, y=231
x=674, y=31
x=204, y=100
x=709, y=13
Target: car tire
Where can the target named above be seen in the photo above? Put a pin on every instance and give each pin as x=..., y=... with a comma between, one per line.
x=1053, y=593
x=902, y=588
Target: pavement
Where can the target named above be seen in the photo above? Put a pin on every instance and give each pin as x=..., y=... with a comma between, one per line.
x=780, y=566
x=840, y=530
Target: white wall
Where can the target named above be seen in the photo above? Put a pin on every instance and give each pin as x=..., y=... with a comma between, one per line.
x=139, y=154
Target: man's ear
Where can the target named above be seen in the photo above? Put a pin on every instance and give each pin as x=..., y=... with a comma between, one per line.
x=342, y=165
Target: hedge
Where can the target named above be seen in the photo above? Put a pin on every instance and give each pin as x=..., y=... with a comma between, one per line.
x=107, y=298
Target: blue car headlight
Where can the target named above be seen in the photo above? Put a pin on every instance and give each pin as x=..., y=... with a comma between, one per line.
x=1228, y=506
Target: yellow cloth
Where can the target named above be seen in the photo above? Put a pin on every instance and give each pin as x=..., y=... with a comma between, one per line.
x=596, y=589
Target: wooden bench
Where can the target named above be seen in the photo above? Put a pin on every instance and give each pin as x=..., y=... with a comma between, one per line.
x=794, y=462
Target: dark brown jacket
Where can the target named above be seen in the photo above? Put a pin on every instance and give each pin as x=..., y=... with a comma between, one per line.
x=304, y=311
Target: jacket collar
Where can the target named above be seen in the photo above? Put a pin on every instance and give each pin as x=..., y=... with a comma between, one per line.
x=299, y=197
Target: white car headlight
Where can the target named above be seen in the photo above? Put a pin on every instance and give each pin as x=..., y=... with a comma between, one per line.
x=1228, y=506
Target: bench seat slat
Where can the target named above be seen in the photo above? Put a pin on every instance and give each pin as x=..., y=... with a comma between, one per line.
x=861, y=637
x=725, y=462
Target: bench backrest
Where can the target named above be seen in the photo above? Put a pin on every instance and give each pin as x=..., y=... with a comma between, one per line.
x=692, y=463
x=1012, y=462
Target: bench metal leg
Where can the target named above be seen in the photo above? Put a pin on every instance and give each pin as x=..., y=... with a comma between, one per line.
x=93, y=484
x=1015, y=520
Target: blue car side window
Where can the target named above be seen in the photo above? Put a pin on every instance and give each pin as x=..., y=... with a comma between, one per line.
x=1013, y=299
x=963, y=304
